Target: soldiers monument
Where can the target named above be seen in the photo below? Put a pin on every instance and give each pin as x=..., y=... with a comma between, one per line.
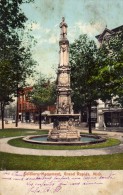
x=64, y=119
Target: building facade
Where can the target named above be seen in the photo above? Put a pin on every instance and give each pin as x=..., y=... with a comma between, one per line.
x=27, y=111
x=107, y=34
x=108, y=116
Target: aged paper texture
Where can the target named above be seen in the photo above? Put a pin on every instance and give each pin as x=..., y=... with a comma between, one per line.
x=61, y=182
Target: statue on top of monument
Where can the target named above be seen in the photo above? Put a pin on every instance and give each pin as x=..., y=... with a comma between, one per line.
x=63, y=27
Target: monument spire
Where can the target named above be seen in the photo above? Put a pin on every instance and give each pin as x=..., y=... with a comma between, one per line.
x=64, y=118
x=64, y=105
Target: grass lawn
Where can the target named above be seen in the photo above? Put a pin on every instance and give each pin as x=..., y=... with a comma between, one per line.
x=23, y=132
x=18, y=142
x=26, y=162
x=20, y=132
x=23, y=162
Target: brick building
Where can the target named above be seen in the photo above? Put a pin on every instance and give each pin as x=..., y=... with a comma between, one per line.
x=27, y=111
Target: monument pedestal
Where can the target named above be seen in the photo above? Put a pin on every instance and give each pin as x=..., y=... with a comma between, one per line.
x=64, y=128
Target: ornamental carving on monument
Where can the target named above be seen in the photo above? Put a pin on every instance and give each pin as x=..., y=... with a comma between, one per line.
x=63, y=79
x=64, y=48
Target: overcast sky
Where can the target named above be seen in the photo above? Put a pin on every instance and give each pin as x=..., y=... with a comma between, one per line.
x=82, y=16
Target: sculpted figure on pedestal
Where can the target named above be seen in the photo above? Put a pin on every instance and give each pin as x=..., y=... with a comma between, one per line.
x=63, y=27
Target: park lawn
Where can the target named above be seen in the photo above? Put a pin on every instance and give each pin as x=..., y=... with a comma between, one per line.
x=20, y=132
x=18, y=142
x=24, y=132
x=25, y=162
x=28, y=162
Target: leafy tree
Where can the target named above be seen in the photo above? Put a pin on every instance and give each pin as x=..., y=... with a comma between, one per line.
x=96, y=72
x=42, y=95
x=24, y=68
x=6, y=86
x=84, y=69
x=111, y=69
x=15, y=58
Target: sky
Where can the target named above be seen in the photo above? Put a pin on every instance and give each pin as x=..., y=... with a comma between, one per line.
x=82, y=17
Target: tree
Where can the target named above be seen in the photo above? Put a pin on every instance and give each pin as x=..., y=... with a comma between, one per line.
x=96, y=73
x=24, y=68
x=84, y=69
x=14, y=56
x=111, y=69
x=6, y=87
x=42, y=95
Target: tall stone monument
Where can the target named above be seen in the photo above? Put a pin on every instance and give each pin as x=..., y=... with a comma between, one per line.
x=64, y=105
x=64, y=119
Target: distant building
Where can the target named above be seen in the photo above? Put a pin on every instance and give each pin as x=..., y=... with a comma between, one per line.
x=107, y=34
x=27, y=111
x=108, y=116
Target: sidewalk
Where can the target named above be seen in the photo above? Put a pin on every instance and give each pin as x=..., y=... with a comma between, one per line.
x=26, y=125
x=50, y=126
x=5, y=147
x=115, y=134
